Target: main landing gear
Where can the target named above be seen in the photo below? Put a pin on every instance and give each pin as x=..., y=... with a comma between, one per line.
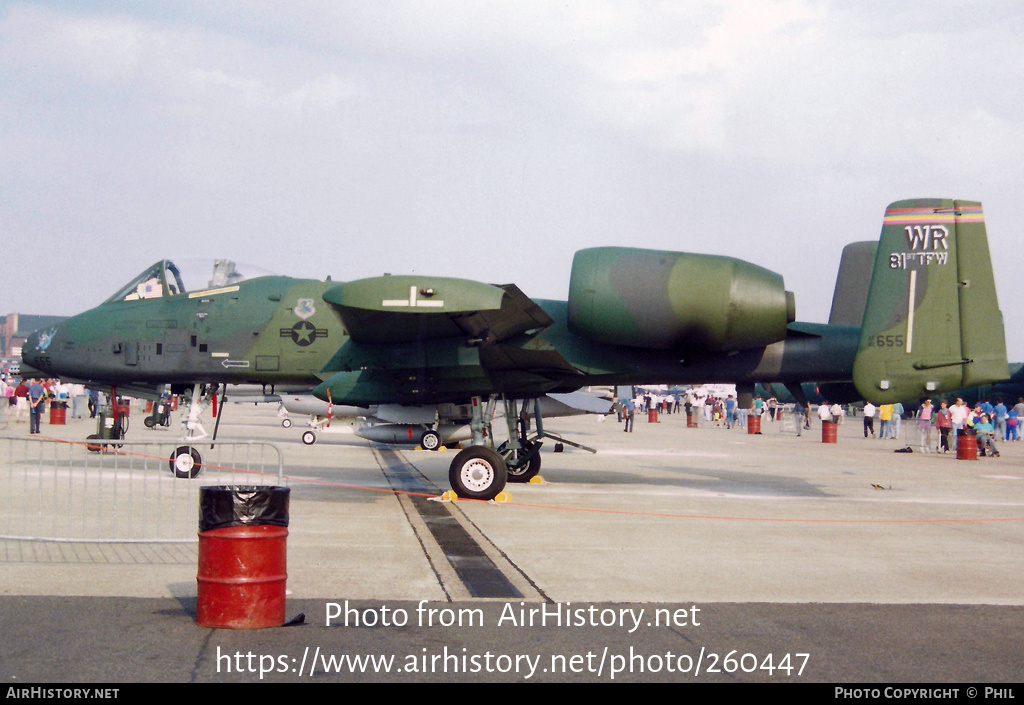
x=480, y=472
x=520, y=452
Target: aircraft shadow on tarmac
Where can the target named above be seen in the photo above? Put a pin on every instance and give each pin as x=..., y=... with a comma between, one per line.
x=717, y=482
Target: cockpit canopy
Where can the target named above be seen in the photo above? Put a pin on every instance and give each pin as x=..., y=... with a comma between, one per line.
x=166, y=279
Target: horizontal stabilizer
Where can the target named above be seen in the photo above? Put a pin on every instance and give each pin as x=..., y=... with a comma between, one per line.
x=932, y=323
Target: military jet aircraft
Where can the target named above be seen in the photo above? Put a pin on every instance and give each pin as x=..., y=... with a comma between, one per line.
x=633, y=316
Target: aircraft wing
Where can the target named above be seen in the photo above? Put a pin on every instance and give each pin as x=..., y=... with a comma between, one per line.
x=417, y=340
x=407, y=308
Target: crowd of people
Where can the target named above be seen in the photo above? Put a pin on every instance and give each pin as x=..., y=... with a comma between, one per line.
x=24, y=400
x=938, y=427
x=988, y=422
x=715, y=409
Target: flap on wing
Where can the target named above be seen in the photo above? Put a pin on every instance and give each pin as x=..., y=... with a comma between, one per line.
x=518, y=314
x=395, y=309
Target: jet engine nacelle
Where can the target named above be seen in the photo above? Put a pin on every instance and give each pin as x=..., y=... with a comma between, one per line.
x=664, y=300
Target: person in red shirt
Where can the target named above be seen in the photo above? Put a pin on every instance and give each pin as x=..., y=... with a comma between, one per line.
x=21, y=395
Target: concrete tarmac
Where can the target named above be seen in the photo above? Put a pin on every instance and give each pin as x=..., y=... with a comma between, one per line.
x=673, y=554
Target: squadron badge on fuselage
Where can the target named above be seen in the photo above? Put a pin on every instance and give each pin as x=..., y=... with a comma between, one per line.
x=304, y=309
x=46, y=338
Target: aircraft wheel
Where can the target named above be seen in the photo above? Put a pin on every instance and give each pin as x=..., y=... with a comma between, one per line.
x=523, y=473
x=477, y=472
x=308, y=437
x=430, y=441
x=93, y=447
x=186, y=462
x=520, y=471
x=287, y=423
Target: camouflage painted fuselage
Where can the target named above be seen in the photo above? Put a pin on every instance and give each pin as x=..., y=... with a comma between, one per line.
x=931, y=323
x=279, y=331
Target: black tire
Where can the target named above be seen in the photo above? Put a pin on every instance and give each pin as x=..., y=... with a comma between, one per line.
x=477, y=473
x=523, y=471
x=526, y=472
x=430, y=440
x=287, y=423
x=186, y=462
x=308, y=437
x=150, y=422
x=93, y=447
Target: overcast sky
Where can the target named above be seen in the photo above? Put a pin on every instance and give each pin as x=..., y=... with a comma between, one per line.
x=491, y=140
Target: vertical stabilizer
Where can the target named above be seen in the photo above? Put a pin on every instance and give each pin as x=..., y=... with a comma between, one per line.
x=932, y=323
x=852, y=284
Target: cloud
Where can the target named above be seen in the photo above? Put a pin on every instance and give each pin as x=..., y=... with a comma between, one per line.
x=491, y=140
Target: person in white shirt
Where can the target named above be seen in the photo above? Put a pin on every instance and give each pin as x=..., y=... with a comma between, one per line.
x=869, y=419
x=837, y=413
x=958, y=415
x=824, y=412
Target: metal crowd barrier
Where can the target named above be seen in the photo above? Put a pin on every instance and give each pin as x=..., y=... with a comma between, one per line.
x=122, y=491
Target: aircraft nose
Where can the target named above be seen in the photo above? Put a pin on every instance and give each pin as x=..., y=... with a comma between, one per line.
x=30, y=350
x=34, y=351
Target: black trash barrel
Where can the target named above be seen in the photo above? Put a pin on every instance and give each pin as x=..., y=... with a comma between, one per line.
x=243, y=532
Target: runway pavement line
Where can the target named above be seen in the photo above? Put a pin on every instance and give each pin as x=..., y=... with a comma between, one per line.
x=466, y=563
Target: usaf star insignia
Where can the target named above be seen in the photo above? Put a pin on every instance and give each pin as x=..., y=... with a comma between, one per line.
x=303, y=333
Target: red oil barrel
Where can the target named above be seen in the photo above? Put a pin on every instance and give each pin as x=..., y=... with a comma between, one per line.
x=966, y=447
x=243, y=535
x=753, y=424
x=242, y=576
x=829, y=432
x=652, y=416
x=58, y=413
x=690, y=421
